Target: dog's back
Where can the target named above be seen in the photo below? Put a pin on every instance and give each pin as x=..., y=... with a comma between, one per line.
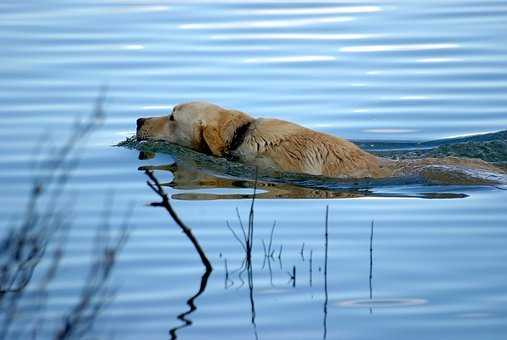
x=289, y=147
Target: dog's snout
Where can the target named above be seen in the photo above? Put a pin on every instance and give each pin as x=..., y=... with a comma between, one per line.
x=140, y=122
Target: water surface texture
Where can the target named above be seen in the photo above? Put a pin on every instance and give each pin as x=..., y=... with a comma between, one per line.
x=364, y=70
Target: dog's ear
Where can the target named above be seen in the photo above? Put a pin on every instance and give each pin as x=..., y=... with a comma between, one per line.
x=214, y=140
x=219, y=134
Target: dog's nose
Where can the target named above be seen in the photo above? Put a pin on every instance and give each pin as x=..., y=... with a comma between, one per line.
x=140, y=122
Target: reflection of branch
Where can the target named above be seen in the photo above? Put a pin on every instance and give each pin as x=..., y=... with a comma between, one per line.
x=191, y=304
x=154, y=184
x=326, y=238
x=371, y=263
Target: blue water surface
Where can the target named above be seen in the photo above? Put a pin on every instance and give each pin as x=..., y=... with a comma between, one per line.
x=363, y=70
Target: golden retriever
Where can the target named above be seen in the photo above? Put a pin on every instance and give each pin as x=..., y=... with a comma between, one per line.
x=287, y=147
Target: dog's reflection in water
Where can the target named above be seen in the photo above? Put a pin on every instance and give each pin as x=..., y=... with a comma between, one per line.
x=186, y=176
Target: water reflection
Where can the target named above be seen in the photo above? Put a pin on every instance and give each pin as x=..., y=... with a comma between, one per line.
x=326, y=297
x=398, y=48
x=311, y=10
x=192, y=307
x=264, y=24
x=191, y=183
x=155, y=185
x=290, y=59
x=372, y=303
x=295, y=36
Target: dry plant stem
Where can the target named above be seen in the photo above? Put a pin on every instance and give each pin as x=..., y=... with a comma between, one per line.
x=326, y=240
x=371, y=256
x=24, y=247
x=154, y=184
x=96, y=293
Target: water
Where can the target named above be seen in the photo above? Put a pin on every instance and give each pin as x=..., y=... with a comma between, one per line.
x=377, y=70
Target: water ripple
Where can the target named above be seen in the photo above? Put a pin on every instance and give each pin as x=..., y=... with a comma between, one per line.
x=391, y=48
x=263, y=24
x=359, y=69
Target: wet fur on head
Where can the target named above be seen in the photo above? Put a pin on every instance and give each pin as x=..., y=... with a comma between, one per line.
x=201, y=126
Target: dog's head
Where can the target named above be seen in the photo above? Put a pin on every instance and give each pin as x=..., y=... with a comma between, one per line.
x=201, y=126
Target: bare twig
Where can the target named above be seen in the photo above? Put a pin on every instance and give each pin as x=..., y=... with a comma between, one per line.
x=24, y=247
x=326, y=240
x=154, y=184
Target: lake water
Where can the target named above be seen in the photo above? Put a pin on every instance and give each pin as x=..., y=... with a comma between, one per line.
x=363, y=70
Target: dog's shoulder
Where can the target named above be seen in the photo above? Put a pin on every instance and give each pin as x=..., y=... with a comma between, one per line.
x=290, y=147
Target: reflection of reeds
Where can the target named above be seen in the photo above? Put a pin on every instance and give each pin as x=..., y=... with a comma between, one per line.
x=247, y=244
x=311, y=267
x=268, y=251
x=302, y=252
x=371, y=264
x=246, y=239
x=371, y=256
x=40, y=238
x=326, y=242
x=292, y=276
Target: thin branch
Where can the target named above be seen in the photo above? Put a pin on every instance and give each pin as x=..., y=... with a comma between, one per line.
x=157, y=188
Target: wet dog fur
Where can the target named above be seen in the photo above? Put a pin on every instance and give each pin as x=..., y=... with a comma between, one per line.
x=287, y=147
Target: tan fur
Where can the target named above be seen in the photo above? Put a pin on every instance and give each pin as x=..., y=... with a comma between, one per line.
x=292, y=148
x=218, y=133
x=281, y=145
